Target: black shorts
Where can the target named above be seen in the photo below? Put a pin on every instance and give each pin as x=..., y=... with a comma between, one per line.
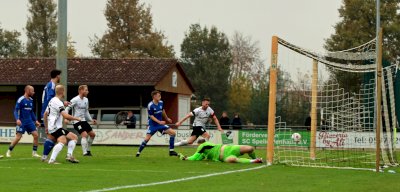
x=198, y=130
x=60, y=132
x=82, y=126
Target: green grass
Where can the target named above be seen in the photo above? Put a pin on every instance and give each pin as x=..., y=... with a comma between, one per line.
x=113, y=166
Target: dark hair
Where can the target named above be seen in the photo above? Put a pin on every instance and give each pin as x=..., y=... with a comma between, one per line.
x=155, y=92
x=54, y=73
x=206, y=99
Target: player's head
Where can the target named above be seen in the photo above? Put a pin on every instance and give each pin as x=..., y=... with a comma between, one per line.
x=205, y=103
x=83, y=90
x=29, y=90
x=56, y=74
x=201, y=141
x=60, y=91
x=156, y=95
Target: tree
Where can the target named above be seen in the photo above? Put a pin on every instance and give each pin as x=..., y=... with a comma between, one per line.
x=245, y=58
x=206, y=58
x=41, y=29
x=130, y=33
x=71, y=50
x=240, y=96
x=358, y=26
x=10, y=45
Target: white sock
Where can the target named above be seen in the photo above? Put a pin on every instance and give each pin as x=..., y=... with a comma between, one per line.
x=84, y=144
x=181, y=143
x=90, y=142
x=71, y=147
x=57, y=148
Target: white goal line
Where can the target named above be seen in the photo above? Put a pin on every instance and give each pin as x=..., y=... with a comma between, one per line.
x=175, y=180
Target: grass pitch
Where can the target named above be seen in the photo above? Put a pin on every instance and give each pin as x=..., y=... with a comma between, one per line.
x=116, y=167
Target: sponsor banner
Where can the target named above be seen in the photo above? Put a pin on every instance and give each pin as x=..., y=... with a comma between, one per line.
x=352, y=140
x=7, y=134
x=259, y=138
x=323, y=139
x=136, y=136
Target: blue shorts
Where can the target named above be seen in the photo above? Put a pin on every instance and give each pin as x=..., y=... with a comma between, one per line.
x=160, y=128
x=29, y=128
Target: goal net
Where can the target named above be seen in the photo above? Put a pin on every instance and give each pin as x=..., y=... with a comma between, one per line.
x=325, y=108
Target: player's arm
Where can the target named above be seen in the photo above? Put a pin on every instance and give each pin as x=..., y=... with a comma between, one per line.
x=156, y=120
x=45, y=115
x=16, y=114
x=33, y=117
x=195, y=157
x=68, y=116
x=166, y=116
x=217, y=123
x=179, y=123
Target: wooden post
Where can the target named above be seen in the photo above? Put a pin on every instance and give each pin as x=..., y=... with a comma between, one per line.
x=272, y=100
x=378, y=100
x=314, y=100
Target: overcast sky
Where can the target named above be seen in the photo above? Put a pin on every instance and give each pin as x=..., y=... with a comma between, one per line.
x=306, y=23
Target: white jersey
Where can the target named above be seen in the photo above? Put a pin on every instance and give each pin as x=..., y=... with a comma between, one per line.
x=54, y=118
x=201, y=116
x=80, y=108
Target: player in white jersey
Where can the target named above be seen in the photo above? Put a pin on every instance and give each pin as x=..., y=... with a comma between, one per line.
x=80, y=108
x=53, y=121
x=201, y=116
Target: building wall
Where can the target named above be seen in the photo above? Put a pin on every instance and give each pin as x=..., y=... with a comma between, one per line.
x=174, y=82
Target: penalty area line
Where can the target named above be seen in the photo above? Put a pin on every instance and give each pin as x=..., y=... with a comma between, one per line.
x=175, y=180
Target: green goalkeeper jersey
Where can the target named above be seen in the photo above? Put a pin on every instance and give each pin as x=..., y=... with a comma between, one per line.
x=208, y=151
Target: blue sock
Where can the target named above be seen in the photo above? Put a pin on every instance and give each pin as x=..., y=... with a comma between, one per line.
x=10, y=148
x=34, y=148
x=171, y=142
x=142, y=146
x=48, y=146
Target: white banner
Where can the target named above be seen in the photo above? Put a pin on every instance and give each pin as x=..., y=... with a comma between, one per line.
x=7, y=134
x=351, y=140
x=136, y=136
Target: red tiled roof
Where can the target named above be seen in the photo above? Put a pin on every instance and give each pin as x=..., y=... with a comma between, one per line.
x=132, y=72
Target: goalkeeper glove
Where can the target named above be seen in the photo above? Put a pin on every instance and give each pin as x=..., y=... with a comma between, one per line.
x=181, y=156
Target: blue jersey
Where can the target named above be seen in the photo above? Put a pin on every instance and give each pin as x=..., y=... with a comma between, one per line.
x=24, y=111
x=48, y=93
x=156, y=111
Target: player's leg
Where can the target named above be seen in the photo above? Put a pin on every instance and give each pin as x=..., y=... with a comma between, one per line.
x=150, y=132
x=249, y=150
x=90, y=138
x=84, y=143
x=61, y=141
x=48, y=146
x=231, y=154
x=206, y=136
x=197, y=131
x=171, y=134
x=35, y=136
x=73, y=139
x=20, y=131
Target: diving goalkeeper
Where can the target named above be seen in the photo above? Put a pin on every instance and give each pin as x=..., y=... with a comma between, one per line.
x=223, y=153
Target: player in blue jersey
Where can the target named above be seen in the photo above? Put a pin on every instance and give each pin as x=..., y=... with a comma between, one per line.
x=26, y=120
x=156, y=113
x=48, y=93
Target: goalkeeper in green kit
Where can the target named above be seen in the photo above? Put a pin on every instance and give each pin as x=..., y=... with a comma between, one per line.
x=222, y=153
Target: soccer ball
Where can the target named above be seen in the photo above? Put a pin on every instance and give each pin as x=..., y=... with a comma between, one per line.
x=296, y=137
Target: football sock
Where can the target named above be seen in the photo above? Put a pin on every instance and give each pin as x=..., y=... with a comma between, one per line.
x=243, y=160
x=171, y=142
x=142, y=146
x=48, y=145
x=71, y=147
x=57, y=149
x=181, y=143
x=84, y=144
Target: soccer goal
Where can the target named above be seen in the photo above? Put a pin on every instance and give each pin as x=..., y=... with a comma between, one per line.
x=337, y=92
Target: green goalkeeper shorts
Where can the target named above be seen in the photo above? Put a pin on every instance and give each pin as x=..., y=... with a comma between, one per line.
x=231, y=151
